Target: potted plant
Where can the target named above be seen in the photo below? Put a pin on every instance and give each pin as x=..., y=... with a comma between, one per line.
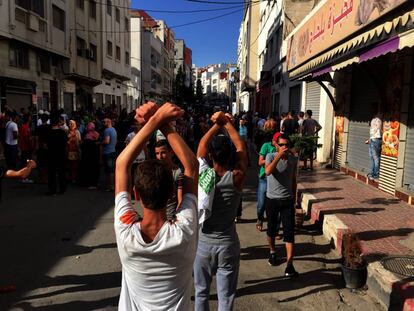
x=354, y=266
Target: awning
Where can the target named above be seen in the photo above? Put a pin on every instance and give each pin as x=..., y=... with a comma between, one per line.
x=378, y=41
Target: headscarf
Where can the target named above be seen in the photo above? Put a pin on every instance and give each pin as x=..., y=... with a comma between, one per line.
x=91, y=134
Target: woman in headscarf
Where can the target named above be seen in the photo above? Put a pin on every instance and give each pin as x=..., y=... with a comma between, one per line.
x=90, y=157
x=74, y=149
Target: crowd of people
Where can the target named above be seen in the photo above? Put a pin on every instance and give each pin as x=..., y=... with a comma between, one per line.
x=187, y=171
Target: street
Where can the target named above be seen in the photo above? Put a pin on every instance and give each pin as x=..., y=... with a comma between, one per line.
x=61, y=254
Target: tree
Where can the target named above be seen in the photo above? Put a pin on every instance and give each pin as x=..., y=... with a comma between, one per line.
x=199, y=90
x=182, y=93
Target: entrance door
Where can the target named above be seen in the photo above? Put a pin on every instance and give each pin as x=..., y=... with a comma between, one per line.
x=294, y=98
x=68, y=102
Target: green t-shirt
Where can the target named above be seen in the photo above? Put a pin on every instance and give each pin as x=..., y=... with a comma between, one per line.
x=266, y=148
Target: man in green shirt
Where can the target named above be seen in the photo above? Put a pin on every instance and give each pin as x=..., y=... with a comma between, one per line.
x=266, y=148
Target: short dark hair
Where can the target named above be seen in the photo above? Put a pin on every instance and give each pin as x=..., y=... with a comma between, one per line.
x=154, y=184
x=309, y=112
x=54, y=119
x=220, y=150
x=301, y=114
x=162, y=143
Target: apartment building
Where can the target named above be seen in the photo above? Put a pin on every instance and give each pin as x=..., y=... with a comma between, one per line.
x=115, y=49
x=183, y=57
x=34, y=45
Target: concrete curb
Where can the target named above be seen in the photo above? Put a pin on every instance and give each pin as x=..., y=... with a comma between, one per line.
x=389, y=289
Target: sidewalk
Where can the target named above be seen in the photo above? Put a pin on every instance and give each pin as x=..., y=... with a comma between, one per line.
x=384, y=224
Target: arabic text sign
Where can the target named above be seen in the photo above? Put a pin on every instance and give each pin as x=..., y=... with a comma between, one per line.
x=332, y=22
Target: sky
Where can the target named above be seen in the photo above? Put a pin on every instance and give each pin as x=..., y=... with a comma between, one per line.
x=212, y=41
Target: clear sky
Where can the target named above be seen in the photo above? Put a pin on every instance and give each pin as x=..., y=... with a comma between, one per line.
x=212, y=41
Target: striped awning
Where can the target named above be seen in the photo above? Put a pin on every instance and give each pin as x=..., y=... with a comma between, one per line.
x=378, y=41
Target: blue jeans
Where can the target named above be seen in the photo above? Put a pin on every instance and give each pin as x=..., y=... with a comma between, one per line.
x=374, y=154
x=261, y=198
x=222, y=261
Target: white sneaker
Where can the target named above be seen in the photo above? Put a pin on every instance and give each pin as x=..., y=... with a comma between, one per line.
x=27, y=181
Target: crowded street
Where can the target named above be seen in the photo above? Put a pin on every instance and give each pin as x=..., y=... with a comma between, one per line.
x=62, y=256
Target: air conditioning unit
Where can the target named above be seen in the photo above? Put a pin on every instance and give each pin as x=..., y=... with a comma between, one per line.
x=32, y=22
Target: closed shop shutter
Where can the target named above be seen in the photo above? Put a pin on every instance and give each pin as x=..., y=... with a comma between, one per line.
x=294, y=98
x=17, y=101
x=409, y=153
x=68, y=102
x=364, y=94
x=313, y=98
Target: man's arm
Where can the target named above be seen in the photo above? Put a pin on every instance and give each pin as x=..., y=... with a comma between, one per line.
x=202, y=150
x=262, y=161
x=241, y=154
x=129, y=154
x=15, y=131
x=271, y=167
x=186, y=157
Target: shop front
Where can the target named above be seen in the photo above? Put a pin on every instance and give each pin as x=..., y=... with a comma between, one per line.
x=366, y=57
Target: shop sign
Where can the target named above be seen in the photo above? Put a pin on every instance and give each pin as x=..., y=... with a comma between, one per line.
x=390, y=138
x=332, y=22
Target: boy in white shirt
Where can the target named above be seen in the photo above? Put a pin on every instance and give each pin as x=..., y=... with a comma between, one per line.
x=157, y=255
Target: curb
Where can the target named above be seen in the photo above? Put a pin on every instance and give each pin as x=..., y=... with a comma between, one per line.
x=393, y=292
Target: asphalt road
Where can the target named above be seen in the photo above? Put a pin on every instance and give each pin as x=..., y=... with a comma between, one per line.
x=60, y=253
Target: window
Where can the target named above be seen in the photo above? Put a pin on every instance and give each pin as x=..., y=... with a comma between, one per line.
x=126, y=24
x=44, y=62
x=127, y=58
x=92, y=52
x=109, y=7
x=118, y=53
x=58, y=18
x=109, y=48
x=19, y=56
x=80, y=47
x=92, y=9
x=36, y=6
x=117, y=15
x=80, y=4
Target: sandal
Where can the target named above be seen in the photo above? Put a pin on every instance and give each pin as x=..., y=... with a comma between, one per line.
x=259, y=225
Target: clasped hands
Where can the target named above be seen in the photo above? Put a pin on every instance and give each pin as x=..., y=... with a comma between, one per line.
x=162, y=115
x=220, y=118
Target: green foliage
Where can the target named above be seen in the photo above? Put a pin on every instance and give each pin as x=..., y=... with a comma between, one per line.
x=306, y=145
x=182, y=93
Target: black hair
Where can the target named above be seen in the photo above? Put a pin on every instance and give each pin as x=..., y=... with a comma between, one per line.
x=309, y=112
x=220, y=149
x=162, y=143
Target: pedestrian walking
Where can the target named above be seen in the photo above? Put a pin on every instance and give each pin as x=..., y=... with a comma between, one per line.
x=218, y=251
x=310, y=127
x=374, y=142
x=156, y=255
x=89, y=167
x=280, y=169
x=74, y=150
x=11, y=140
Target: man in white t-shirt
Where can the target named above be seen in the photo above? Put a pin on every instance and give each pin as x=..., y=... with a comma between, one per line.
x=157, y=255
x=11, y=141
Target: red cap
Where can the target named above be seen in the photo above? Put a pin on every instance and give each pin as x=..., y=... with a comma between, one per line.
x=276, y=136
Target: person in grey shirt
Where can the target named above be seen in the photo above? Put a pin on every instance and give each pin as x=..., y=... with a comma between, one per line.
x=218, y=251
x=280, y=169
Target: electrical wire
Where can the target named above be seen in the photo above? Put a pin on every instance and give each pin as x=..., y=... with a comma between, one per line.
x=171, y=11
x=171, y=27
x=224, y=2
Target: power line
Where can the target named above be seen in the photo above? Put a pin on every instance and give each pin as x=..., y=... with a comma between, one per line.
x=170, y=11
x=175, y=26
x=224, y=2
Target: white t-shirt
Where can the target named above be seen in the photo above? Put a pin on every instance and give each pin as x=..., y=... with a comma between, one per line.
x=141, y=156
x=156, y=275
x=10, y=128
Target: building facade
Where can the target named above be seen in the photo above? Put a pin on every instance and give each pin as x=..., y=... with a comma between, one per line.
x=364, y=63
x=35, y=51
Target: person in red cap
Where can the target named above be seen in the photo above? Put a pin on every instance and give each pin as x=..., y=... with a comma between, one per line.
x=267, y=147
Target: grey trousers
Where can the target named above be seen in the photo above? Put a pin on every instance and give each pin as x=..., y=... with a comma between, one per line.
x=222, y=261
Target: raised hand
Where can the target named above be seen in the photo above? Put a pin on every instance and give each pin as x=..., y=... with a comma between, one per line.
x=145, y=112
x=219, y=118
x=168, y=112
x=229, y=118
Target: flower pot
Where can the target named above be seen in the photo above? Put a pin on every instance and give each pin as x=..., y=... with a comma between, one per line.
x=299, y=217
x=354, y=278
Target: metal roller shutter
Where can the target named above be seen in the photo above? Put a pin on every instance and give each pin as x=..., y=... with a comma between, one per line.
x=409, y=153
x=313, y=98
x=294, y=98
x=364, y=94
x=17, y=101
